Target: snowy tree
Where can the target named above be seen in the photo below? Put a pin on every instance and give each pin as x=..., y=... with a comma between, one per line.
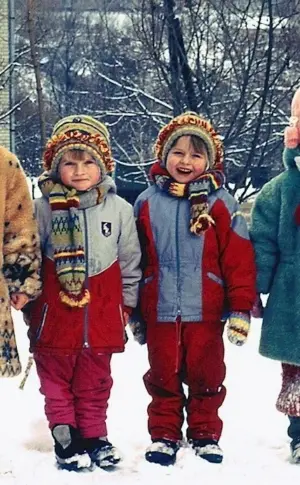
x=236, y=62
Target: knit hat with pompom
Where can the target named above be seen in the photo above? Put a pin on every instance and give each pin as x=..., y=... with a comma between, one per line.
x=192, y=124
x=78, y=132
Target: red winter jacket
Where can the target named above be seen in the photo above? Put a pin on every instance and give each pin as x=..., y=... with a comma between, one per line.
x=196, y=278
x=113, y=274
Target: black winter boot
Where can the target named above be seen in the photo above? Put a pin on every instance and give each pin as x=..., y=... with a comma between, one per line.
x=69, y=452
x=162, y=451
x=294, y=433
x=101, y=452
x=207, y=449
x=295, y=450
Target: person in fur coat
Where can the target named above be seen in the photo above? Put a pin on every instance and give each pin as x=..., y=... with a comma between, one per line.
x=19, y=256
x=275, y=232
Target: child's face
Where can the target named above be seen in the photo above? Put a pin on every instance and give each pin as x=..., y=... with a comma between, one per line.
x=184, y=163
x=79, y=172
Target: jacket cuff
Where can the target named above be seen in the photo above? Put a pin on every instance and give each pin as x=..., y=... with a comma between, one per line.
x=241, y=305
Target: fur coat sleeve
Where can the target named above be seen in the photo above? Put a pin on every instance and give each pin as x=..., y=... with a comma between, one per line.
x=19, y=255
x=264, y=230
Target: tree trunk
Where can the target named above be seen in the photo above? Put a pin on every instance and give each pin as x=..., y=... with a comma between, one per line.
x=179, y=66
x=174, y=66
x=31, y=15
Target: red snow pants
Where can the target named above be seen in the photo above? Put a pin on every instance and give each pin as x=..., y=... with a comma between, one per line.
x=76, y=390
x=192, y=354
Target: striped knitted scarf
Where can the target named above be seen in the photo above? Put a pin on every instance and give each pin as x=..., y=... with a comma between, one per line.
x=67, y=237
x=196, y=192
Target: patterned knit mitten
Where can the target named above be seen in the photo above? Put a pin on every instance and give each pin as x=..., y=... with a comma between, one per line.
x=238, y=327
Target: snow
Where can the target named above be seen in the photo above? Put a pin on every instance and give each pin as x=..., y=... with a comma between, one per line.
x=255, y=444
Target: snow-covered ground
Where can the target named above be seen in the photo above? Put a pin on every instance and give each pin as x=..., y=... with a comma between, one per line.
x=254, y=440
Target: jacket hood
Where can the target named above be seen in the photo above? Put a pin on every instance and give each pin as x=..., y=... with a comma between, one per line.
x=109, y=183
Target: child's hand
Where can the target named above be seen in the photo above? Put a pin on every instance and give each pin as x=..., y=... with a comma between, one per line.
x=238, y=327
x=18, y=300
x=257, y=309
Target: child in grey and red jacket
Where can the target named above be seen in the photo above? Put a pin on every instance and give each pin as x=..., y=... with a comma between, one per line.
x=198, y=264
x=90, y=274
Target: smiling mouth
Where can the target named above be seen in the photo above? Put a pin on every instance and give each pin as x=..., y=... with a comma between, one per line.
x=184, y=171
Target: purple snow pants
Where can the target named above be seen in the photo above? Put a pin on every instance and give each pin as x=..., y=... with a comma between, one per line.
x=76, y=390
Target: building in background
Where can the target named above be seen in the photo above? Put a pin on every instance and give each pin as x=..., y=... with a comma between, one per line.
x=5, y=76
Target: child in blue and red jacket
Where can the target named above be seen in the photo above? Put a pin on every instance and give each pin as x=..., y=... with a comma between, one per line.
x=198, y=264
x=90, y=275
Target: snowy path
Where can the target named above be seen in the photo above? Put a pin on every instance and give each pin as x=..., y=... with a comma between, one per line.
x=254, y=440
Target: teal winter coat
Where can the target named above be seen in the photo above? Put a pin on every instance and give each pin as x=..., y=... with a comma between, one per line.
x=275, y=233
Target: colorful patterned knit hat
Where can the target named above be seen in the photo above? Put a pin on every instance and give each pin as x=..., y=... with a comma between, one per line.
x=190, y=123
x=78, y=132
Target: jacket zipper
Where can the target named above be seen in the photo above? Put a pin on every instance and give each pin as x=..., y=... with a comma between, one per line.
x=43, y=319
x=86, y=284
x=178, y=317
